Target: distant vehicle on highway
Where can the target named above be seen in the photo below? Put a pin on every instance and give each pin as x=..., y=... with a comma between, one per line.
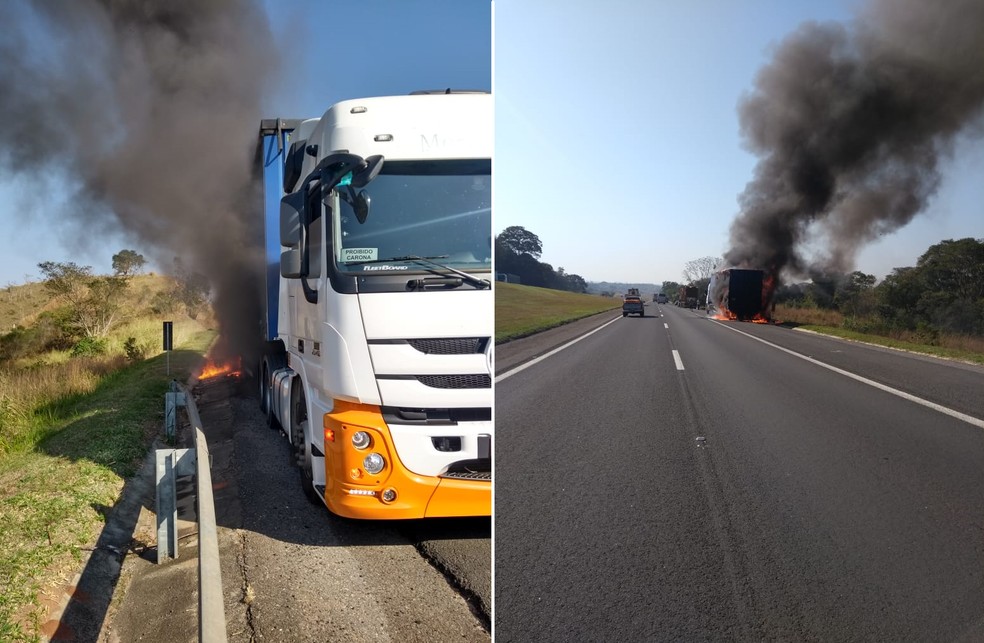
x=687, y=297
x=632, y=304
x=661, y=298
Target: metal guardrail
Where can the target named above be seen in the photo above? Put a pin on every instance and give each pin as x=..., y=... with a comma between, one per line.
x=172, y=463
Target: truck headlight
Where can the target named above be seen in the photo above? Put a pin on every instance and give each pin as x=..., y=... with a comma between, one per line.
x=360, y=440
x=373, y=463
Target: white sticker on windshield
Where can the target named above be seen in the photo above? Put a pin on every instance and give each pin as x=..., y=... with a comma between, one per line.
x=351, y=255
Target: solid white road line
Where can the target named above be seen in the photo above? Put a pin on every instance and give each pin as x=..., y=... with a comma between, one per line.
x=523, y=367
x=969, y=419
x=677, y=360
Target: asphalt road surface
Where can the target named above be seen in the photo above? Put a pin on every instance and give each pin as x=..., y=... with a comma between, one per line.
x=678, y=478
x=293, y=572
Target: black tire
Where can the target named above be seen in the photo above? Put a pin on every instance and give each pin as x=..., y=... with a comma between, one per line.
x=300, y=447
x=263, y=378
x=272, y=361
x=306, y=469
x=625, y=314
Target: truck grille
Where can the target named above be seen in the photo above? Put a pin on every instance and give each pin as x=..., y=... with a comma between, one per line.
x=456, y=381
x=450, y=345
x=468, y=475
x=474, y=469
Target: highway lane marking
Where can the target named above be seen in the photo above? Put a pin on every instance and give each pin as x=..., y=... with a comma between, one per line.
x=523, y=367
x=665, y=325
x=677, y=360
x=969, y=419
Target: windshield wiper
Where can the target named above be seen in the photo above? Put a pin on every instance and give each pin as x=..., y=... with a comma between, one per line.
x=471, y=279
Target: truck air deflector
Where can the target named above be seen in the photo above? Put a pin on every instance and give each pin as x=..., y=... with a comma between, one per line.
x=273, y=148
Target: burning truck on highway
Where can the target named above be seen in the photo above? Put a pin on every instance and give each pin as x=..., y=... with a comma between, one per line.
x=741, y=294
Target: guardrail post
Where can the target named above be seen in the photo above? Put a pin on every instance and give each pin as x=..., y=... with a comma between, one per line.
x=171, y=463
x=172, y=400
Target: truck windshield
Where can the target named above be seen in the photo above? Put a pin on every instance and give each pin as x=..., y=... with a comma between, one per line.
x=419, y=208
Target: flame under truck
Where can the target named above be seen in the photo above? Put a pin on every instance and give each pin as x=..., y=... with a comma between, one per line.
x=379, y=310
x=738, y=294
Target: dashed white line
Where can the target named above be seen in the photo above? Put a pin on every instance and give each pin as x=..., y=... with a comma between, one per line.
x=665, y=325
x=677, y=360
x=969, y=419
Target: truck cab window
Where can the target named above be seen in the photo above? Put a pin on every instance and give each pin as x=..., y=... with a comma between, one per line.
x=424, y=208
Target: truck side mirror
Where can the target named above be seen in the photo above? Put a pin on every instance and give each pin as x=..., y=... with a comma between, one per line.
x=290, y=264
x=374, y=164
x=290, y=219
x=293, y=261
x=293, y=162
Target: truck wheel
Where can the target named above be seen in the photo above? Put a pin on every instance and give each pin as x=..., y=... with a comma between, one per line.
x=272, y=362
x=264, y=382
x=306, y=467
x=301, y=447
x=625, y=314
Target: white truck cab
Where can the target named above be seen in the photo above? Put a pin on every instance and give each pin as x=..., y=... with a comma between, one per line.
x=379, y=303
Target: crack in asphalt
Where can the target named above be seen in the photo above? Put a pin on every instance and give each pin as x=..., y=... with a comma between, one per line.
x=247, y=589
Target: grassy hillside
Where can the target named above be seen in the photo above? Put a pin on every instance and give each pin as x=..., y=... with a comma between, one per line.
x=524, y=310
x=19, y=305
x=74, y=424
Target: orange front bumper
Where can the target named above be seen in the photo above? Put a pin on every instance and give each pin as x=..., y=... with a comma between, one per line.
x=353, y=493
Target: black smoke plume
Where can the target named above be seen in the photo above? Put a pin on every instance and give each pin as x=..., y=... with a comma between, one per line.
x=150, y=109
x=851, y=123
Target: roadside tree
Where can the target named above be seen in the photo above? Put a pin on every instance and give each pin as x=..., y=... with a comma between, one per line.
x=127, y=263
x=520, y=241
x=94, y=303
x=701, y=269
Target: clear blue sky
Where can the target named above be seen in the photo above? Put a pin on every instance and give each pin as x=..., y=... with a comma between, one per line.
x=617, y=133
x=335, y=51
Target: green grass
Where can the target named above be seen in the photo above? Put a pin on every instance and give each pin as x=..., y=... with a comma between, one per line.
x=525, y=310
x=60, y=481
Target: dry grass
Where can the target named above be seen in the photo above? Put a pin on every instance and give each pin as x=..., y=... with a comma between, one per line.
x=29, y=396
x=32, y=390
x=812, y=316
x=963, y=347
x=20, y=305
